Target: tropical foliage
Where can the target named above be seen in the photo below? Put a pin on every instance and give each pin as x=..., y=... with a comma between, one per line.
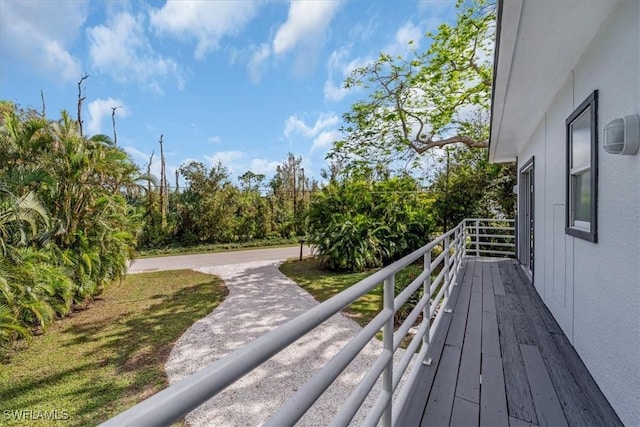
x=469, y=186
x=361, y=223
x=66, y=229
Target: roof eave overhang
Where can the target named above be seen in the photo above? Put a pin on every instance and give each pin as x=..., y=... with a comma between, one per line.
x=538, y=44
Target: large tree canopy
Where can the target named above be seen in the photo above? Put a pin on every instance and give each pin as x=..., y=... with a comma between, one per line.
x=423, y=100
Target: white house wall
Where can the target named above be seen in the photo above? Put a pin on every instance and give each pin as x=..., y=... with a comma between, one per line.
x=559, y=249
x=593, y=290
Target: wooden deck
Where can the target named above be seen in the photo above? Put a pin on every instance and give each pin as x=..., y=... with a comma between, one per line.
x=501, y=359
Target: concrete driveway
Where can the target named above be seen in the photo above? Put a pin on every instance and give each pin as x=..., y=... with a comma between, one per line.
x=179, y=262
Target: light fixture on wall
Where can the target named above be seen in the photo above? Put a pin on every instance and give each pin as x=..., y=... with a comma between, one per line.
x=622, y=135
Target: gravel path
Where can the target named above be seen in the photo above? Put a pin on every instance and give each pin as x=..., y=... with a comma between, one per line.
x=261, y=298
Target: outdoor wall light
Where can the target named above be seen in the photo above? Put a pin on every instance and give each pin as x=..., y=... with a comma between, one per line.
x=622, y=135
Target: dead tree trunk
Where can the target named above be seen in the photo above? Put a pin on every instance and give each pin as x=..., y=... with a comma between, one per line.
x=44, y=113
x=149, y=193
x=80, y=99
x=113, y=122
x=164, y=199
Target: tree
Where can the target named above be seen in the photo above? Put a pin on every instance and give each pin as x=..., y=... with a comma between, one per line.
x=421, y=101
x=250, y=181
x=470, y=187
x=287, y=197
x=253, y=217
x=207, y=208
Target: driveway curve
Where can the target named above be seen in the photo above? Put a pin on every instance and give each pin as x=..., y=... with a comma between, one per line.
x=261, y=298
x=193, y=261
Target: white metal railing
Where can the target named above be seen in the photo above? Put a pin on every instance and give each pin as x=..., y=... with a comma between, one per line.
x=442, y=258
x=488, y=236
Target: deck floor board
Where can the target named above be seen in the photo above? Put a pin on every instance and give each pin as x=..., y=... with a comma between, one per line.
x=519, y=398
x=498, y=313
x=546, y=401
x=493, y=399
x=468, y=386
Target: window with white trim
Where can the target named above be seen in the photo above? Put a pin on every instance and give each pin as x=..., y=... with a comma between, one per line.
x=582, y=157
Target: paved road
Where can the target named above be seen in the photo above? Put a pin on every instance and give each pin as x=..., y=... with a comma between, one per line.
x=179, y=262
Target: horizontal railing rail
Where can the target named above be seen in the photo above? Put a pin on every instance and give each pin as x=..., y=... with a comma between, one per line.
x=490, y=236
x=441, y=261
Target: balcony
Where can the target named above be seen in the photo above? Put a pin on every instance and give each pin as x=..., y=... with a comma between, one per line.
x=501, y=359
x=490, y=353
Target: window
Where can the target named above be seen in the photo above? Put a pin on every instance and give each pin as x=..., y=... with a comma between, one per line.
x=582, y=170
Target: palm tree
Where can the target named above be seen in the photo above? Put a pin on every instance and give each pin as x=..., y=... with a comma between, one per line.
x=32, y=288
x=66, y=229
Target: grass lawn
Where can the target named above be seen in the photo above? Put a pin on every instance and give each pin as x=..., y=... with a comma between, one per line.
x=217, y=247
x=324, y=284
x=96, y=363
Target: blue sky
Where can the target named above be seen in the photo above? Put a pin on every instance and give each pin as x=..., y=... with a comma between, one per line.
x=242, y=82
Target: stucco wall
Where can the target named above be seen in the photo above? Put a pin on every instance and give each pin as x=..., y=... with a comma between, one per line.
x=593, y=290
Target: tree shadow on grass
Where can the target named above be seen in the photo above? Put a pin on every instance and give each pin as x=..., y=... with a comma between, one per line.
x=259, y=301
x=124, y=359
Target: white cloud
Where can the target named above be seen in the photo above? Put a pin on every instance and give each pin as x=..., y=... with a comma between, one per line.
x=333, y=92
x=325, y=139
x=139, y=156
x=121, y=49
x=362, y=31
x=57, y=57
x=338, y=68
x=263, y=166
x=409, y=32
x=238, y=162
x=306, y=23
x=215, y=139
x=206, y=21
x=336, y=91
x=101, y=108
x=142, y=160
x=256, y=63
x=40, y=34
x=228, y=159
x=296, y=125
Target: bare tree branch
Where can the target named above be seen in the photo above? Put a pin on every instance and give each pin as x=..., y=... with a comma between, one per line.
x=164, y=195
x=43, y=106
x=113, y=122
x=468, y=141
x=80, y=100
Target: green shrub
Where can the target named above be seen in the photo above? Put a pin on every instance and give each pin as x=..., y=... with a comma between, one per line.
x=360, y=224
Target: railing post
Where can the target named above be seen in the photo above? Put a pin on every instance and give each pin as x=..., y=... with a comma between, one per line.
x=387, y=342
x=427, y=291
x=464, y=238
x=446, y=282
x=457, y=250
x=477, y=237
